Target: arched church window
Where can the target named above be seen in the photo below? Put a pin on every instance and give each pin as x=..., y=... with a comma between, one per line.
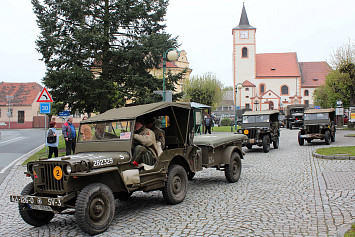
x=284, y=90
x=306, y=93
x=245, y=52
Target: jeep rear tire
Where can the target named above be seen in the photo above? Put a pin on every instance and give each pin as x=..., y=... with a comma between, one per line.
x=276, y=143
x=30, y=216
x=95, y=208
x=176, y=185
x=233, y=170
x=266, y=143
x=300, y=140
x=327, y=137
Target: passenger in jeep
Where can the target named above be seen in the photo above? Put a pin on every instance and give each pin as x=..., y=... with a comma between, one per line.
x=144, y=145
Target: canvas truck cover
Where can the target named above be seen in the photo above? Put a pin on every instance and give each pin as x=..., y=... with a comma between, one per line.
x=216, y=140
x=261, y=112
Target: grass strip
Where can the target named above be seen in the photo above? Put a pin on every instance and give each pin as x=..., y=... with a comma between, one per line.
x=343, y=150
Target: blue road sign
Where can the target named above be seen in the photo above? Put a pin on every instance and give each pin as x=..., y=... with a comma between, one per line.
x=317, y=107
x=45, y=108
x=64, y=113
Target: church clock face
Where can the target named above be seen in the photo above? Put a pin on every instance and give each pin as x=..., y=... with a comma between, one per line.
x=244, y=34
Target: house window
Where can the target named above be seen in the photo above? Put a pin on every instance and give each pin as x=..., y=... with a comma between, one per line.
x=262, y=88
x=284, y=90
x=11, y=112
x=245, y=52
x=306, y=93
x=247, y=96
x=246, y=89
x=247, y=106
x=306, y=102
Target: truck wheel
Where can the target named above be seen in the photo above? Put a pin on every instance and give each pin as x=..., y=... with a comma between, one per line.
x=276, y=143
x=191, y=175
x=333, y=138
x=233, y=170
x=30, y=216
x=327, y=138
x=94, y=208
x=300, y=140
x=290, y=126
x=175, y=188
x=249, y=146
x=266, y=143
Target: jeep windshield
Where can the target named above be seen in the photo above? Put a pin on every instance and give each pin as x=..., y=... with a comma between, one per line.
x=112, y=130
x=319, y=116
x=256, y=119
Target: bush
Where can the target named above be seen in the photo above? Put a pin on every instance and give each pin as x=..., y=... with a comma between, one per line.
x=226, y=122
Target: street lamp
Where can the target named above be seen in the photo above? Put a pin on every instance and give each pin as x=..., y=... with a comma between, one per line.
x=171, y=54
x=9, y=111
x=239, y=86
x=256, y=102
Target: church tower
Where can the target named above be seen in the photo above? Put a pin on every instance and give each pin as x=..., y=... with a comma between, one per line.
x=244, y=66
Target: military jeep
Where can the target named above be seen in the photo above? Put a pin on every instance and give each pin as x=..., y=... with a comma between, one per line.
x=262, y=128
x=318, y=124
x=102, y=167
x=294, y=115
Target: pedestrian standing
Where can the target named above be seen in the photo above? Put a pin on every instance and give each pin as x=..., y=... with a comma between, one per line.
x=69, y=135
x=52, y=140
x=208, y=123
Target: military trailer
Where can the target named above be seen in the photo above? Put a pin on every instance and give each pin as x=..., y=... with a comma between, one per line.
x=102, y=169
x=294, y=115
x=262, y=128
x=318, y=124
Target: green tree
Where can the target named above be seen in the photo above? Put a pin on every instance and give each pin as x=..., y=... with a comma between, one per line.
x=205, y=89
x=340, y=84
x=98, y=52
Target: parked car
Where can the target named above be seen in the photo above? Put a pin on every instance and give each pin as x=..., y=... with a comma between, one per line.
x=262, y=128
x=318, y=124
x=102, y=168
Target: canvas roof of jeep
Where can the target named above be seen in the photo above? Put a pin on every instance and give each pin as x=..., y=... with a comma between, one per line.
x=134, y=111
x=261, y=112
x=316, y=111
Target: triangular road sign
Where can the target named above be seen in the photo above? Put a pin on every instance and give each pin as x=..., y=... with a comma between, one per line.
x=44, y=96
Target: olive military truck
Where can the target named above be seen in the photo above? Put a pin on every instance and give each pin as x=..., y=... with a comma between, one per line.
x=262, y=128
x=294, y=115
x=102, y=167
x=318, y=124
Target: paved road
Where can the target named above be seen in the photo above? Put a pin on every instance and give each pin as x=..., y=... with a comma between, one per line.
x=286, y=192
x=15, y=143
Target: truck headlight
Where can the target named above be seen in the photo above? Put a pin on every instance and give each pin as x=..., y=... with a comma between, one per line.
x=67, y=169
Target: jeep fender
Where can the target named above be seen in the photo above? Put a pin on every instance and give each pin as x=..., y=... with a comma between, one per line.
x=227, y=152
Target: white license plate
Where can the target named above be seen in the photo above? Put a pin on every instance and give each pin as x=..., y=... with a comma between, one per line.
x=41, y=208
x=251, y=140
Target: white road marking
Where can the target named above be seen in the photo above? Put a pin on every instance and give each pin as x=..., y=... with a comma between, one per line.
x=11, y=140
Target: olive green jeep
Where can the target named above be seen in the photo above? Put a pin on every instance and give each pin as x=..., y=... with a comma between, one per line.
x=262, y=128
x=318, y=124
x=102, y=167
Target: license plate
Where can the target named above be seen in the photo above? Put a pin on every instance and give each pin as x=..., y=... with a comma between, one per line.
x=251, y=140
x=41, y=207
x=43, y=201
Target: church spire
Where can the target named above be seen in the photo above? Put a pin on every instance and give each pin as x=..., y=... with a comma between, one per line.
x=244, y=22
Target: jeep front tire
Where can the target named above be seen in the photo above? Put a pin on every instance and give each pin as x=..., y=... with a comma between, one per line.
x=176, y=185
x=30, y=216
x=266, y=143
x=327, y=137
x=233, y=170
x=300, y=140
x=95, y=208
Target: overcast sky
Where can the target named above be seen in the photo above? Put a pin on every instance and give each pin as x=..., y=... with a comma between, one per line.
x=311, y=28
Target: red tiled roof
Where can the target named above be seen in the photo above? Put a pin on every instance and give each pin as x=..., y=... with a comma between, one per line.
x=314, y=70
x=23, y=93
x=247, y=83
x=277, y=65
x=168, y=65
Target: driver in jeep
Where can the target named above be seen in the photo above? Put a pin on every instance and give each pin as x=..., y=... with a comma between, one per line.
x=144, y=145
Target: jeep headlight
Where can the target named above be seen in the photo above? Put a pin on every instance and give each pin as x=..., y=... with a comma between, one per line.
x=258, y=131
x=67, y=169
x=246, y=131
x=240, y=131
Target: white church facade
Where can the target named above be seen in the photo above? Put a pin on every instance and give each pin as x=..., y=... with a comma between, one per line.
x=271, y=80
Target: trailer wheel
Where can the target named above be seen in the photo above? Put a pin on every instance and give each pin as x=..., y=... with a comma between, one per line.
x=327, y=138
x=30, y=216
x=95, y=208
x=175, y=188
x=266, y=143
x=234, y=168
x=300, y=140
x=332, y=138
x=276, y=143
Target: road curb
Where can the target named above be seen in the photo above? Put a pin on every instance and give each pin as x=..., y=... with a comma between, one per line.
x=335, y=157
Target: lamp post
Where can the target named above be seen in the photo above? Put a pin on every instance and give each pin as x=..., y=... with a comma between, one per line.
x=256, y=102
x=171, y=54
x=9, y=111
x=239, y=86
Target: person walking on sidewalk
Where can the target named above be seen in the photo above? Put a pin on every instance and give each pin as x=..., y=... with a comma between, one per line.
x=52, y=140
x=69, y=135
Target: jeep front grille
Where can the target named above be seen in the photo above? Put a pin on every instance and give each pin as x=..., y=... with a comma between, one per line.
x=51, y=184
x=252, y=132
x=313, y=129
